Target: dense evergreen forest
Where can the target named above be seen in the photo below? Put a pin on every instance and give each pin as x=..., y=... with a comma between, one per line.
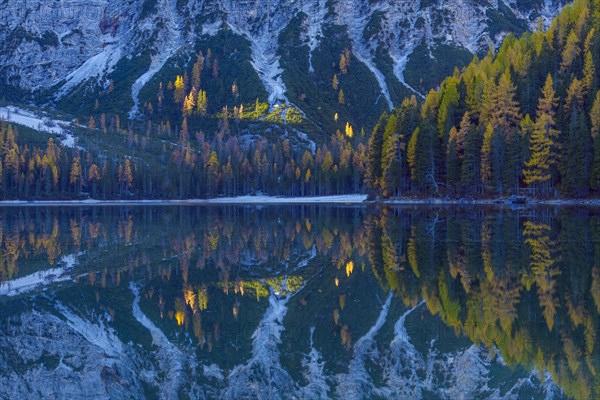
x=224, y=165
x=515, y=283
x=527, y=117
x=523, y=120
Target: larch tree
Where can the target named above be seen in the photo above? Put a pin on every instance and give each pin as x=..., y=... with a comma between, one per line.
x=201, y=102
x=486, y=156
x=570, y=52
x=343, y=64
x=93, y=177
x=197, y=71
x=349, y=130
x=189, y=103
x=541, y=166
x=75, y=175
x=179, y=90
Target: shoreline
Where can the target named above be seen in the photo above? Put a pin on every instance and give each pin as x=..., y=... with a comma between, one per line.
x=351, y=199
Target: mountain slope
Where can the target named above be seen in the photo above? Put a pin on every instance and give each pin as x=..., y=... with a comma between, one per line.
x=66, y=49
x=526, y=117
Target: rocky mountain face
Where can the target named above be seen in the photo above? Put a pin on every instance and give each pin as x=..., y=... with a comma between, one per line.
x=61, y=44
x=63, y=353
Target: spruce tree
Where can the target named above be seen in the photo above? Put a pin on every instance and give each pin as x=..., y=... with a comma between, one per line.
x=390, y=158
x=374, y=151
x=471, y=166
x=595, y=129
x=576, y=160
x=453, y=162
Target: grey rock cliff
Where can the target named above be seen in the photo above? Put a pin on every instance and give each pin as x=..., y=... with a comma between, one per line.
x=65, y=42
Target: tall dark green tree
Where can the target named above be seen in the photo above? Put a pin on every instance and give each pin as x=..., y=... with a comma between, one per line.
x=374, y=152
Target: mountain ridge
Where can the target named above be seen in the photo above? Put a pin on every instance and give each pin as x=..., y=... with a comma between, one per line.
x=59, y=47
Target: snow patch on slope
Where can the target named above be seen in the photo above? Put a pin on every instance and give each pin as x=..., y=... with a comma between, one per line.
x=39, y=279
x=402, y=363
x=357, y=384
x=169, y=42
x=262, y=376
x=169, y=356
x=41, y=124
x=314, y=374
x=266, y=63
x=97, y=334
x=94, y=67
x=261, y=25
x=313, y=29
x=356, y=16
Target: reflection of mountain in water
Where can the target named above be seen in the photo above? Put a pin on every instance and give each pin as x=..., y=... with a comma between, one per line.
x=294, y=302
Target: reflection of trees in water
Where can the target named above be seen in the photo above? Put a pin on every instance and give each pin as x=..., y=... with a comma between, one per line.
x=528, y=285
x=524, y=285
x=193, y=260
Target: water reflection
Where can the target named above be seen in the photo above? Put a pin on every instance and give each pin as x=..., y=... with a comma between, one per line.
x=306, y=302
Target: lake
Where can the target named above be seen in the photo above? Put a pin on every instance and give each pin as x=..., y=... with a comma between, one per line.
x=299, y=302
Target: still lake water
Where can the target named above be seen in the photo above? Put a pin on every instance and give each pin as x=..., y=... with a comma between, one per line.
x=303, y=302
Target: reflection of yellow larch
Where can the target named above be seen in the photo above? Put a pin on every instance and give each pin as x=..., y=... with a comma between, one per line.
x=342, y=301
x=349, y=268
x=236, y=310
x=202, y=298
